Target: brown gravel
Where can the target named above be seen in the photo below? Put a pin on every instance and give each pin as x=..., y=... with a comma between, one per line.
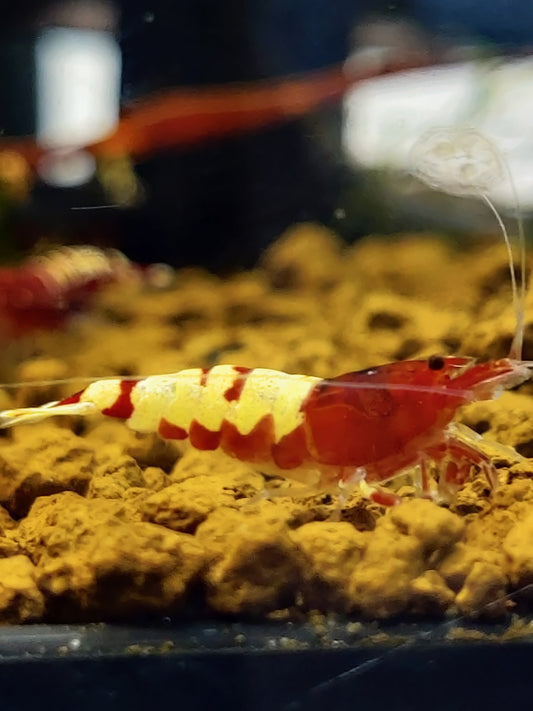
x=97, y=522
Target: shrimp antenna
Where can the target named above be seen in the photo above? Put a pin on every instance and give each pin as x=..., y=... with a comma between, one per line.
x=463, y=162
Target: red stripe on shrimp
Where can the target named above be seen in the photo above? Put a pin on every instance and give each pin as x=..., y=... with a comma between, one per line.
x=123, y=406
x=202, y=438
x=169, y=431
x=254, y=447
x=234, y=392
x=72, y=398
x=291, y=451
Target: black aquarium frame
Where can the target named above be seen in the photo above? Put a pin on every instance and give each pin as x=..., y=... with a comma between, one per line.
x=267, y=667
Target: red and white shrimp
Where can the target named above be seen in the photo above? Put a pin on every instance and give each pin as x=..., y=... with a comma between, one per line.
x=42, y=292
x=364, y=427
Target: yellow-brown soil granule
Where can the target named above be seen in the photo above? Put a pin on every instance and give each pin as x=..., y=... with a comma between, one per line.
x=97, y=522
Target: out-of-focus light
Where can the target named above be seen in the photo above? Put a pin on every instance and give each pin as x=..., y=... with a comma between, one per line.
x=78, y=86
x=384, y=117
x=66, y=168
x=117, y=175
x=15, y=174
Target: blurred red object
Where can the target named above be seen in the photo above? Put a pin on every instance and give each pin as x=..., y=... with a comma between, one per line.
x=45, y=290
x=182, y=117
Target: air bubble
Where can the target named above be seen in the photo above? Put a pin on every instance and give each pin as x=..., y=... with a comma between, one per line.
x=459, y=162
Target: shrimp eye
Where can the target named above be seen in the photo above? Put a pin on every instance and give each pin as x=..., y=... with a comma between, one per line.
x=436, y=362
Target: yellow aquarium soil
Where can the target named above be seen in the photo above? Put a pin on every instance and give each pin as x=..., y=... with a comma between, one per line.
x=98, y=522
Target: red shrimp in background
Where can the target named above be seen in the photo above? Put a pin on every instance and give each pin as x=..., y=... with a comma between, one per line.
x=45, y=290
x=187, y=116
x=362, y=428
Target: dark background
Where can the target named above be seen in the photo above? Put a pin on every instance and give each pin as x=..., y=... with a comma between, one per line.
x=222, y=202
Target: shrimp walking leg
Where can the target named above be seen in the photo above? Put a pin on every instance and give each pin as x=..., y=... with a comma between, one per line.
x=455, y=458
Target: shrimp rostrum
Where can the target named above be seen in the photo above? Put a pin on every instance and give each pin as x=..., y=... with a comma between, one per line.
x=361, y=428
